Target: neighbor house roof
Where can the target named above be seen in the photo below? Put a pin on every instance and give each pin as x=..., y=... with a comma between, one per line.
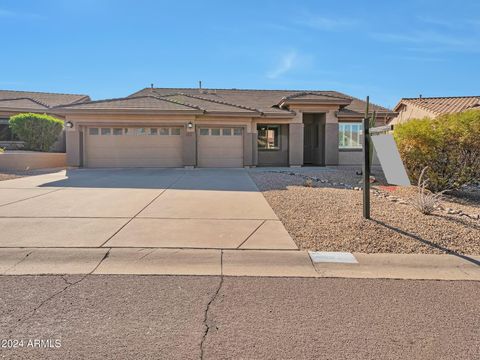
x=268, y=102
x=442, y=105
x=37, y=101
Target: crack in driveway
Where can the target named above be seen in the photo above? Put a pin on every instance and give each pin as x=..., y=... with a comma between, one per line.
x=208, y=323
x=26, y=317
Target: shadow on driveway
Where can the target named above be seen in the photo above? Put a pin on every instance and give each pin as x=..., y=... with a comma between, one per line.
x=154, y=178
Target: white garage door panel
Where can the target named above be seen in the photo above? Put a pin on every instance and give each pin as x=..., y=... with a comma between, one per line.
x=220, y=150
x=134, y=150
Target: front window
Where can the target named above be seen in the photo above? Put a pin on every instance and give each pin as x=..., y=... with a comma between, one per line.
x=268, y=137
x=349, y=135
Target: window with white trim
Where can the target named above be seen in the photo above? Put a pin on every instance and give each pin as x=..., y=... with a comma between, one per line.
x=350, y=135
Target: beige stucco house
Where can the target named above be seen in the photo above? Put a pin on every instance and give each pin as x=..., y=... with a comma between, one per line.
x=15, y=102
x=178, y=127
x=431, y=107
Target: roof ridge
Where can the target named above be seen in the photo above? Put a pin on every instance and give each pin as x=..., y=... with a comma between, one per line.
x=370, y=103
x=223, y=103
x=160, y=97
x=42, y=92
x=237, y=89
x=293, y=96
x=442, y=97
x=27, y=98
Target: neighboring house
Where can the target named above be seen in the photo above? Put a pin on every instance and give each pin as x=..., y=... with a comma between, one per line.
x=431, y=107
x=15, y=102
x=176, y=127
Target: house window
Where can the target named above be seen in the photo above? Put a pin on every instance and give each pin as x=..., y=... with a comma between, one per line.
x=237, y=131
x=268, y=137
x=92, y=131
x=227, y=132
x=164, y=131
x=203, y=132
x=141, y=131
x=5, y=131
x=153, y=131
x=117, y=131
x=350, y=135
x=215, y=132
x=106, y=131
x=175, y=131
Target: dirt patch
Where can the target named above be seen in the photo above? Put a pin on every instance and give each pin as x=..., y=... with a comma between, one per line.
x=12, y=174
x=329, y=218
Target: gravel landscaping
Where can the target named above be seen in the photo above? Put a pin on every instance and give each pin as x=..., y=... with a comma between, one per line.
x=327, y=214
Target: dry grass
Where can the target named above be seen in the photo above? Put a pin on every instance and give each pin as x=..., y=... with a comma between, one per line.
x=330, y=219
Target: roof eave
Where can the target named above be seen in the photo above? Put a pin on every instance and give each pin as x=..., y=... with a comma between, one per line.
x=130, y=111
x=315, y=102
x=18, y=109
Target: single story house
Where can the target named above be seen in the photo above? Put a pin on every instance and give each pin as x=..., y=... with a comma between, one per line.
x=15, y=102
x=431, y=107
x=197, y=127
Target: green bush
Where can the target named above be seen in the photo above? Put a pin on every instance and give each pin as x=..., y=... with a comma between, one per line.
x=449, y=145
x=39, y=132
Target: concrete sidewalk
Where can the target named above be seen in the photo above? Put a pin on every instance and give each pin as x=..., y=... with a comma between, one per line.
x=270, y=263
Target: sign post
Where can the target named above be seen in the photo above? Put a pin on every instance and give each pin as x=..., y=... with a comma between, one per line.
x=388, y=156
x=366, y=163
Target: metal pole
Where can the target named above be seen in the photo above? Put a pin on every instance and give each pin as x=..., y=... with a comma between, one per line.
x=366, y=164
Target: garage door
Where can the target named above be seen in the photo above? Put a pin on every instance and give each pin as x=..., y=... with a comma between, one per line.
x=134, y=147
x=220, y=147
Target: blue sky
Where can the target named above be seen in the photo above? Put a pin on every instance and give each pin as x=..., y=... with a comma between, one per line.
x=385, y=49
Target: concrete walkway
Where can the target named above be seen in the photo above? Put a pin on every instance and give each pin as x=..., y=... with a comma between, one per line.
x=199, y=208
x=274, y=263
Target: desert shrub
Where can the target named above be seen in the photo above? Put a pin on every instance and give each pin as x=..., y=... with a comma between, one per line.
x=426, y=202
x=38, y=131
x=449, y=145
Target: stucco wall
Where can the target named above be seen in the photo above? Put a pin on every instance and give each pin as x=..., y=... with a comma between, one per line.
x=409, y=112
x=27, y=160
x=354, y=158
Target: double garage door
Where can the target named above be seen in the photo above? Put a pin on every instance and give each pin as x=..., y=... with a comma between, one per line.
x=161, y=147
x=134, y=147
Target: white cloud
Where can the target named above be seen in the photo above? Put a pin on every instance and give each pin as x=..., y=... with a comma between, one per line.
x=325, y=23
x=11, y=14
x=431, y=40
x=287, y=62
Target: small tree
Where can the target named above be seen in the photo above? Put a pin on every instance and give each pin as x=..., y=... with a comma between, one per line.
x=38, y=131
x=448, y=145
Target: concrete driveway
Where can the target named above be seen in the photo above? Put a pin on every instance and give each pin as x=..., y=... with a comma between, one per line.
x=164, y=208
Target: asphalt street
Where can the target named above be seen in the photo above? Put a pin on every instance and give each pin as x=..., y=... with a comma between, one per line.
x=194, y=317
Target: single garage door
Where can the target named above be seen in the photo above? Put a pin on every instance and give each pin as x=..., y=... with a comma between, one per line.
x=220, y=147
x=134, y=147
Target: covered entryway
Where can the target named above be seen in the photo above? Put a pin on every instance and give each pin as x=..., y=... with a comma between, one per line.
x=314, y=139
x=133, y=147
x=220, y=147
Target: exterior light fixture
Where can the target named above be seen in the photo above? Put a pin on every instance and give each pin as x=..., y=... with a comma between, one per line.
x=69, y=124
x=190, y=125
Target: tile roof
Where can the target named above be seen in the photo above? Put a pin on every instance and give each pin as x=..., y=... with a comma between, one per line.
x=264, y=101
x=208, y=105
x=133, y=103
x=37, y=100
x=442, y=105
x=21, y=103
